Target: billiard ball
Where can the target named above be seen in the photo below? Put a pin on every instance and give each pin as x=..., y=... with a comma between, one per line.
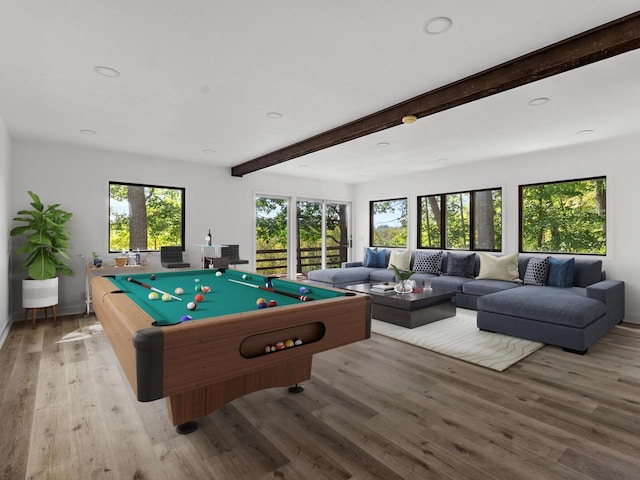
x=262, y=305
x=245, y=276
x=166, y=297
x=196, y=280
x=206, y=288
x=269, y=348
x=280, y=346
x=179, y=291
x=269, y=284
x=199, y=298
x=288, y=343
x=218, y=273
x=297, y=341
x=192, y=305
x=152, y=277
x=260, y=300
x=198, y=288
x=153, y=296
x=304, y=290
x=186, y=318
x=272, y=303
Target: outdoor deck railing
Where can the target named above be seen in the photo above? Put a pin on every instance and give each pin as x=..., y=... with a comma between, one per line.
x=275, y=260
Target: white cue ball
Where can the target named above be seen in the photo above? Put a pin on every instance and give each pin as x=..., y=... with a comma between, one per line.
x=218, y=273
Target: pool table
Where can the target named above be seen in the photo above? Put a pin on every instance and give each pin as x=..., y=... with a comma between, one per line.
x=224, y=351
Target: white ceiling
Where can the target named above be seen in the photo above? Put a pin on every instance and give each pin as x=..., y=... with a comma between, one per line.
x=201, y=75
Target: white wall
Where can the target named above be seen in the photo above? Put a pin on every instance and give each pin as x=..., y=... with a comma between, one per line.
x=617, y=159
x=78, y=179
x=6, y=214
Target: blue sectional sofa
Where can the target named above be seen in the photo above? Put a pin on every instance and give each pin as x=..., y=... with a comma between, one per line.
x=572, y=314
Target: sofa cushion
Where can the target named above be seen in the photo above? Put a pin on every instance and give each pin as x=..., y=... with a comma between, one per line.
x=537, y=270
x=586, y=272
x=375, y=258
x=448, y=282
x=560, y=272
x=460, y=264
x=382, y=275
x=341, y=276
x=562, y=306
x=485, y=287
x=499, y=268
x=428, y=262
x=401, y=259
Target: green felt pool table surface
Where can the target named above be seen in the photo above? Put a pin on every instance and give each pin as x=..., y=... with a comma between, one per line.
x=226, y=296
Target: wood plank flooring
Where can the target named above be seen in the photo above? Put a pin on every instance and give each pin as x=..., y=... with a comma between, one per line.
x=379, y=409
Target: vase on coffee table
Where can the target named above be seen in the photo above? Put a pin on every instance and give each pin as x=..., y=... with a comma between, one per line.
x=404, y=286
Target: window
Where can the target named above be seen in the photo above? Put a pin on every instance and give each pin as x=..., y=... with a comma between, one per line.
x=564, y=217
x=388, y=223
x=469, y=220
x=145, y=217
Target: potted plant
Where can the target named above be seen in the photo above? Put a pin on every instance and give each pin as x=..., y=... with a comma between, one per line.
x=404, y=284
x=46, y=249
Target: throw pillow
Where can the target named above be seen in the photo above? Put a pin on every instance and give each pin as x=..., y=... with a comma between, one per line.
x=499, y=268
x=560, y=272
x=461, y=264
x=428, y=262
x=537, y=270
x=401, y=259
x=376, y=258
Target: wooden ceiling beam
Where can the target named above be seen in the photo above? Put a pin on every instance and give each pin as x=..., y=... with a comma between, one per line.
x=608, y=40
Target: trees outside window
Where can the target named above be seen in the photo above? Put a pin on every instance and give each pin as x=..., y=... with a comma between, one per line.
x=388, y=223
x=469, y=220
x=564, y=217
x=145, y=217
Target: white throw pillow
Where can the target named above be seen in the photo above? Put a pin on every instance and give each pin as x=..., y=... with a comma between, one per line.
x=499, y=268
x=401, y=259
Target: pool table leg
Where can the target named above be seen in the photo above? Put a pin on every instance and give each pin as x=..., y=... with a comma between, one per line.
x=184, y=407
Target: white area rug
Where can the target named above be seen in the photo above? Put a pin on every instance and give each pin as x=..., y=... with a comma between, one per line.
x=459, y=337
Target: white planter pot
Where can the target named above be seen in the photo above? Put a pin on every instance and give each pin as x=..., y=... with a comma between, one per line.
x=39, y=293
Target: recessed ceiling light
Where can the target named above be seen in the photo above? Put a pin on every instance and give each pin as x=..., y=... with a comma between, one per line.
x=437, y=25
x=88, y=132
x=274, y=115
x=383, y=144
x=585, y=132
x=538, y=101
x=441, y=161
x=106, y=71
x=208, y=150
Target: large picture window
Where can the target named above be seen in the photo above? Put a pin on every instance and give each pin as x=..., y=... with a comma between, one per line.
x=461, y=221
x=388, y=223
x=564, y=217
x=145, y=217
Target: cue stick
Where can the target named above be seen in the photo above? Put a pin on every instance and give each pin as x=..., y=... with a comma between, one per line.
x=133, y=280
x=273, y=290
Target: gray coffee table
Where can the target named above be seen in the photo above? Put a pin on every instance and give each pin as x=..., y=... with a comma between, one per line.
x=409, y=309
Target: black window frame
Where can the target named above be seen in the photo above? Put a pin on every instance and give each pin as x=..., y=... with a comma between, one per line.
x=183, y=191
x=521, y=223
x=372, y=225
x=443, y=220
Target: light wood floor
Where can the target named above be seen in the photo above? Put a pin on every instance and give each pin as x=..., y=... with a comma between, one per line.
x=376, y=409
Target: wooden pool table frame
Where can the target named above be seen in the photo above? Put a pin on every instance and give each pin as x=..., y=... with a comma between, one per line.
x=204, y=364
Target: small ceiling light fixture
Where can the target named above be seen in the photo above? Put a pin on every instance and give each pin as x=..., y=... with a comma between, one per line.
x=303, y=165
x=441, y=161
x=437, y=25
x=209, y=150
x=106, y=71
x=585, y=132
x=408, y=119
x=538, y=101
x=274, y=115
x=88, y=132
x=383, y=144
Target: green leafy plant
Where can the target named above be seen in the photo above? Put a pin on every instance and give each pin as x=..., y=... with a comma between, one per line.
x=47, y=239
x=402, y=275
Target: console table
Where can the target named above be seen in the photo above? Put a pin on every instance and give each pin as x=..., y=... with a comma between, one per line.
x=217, y=252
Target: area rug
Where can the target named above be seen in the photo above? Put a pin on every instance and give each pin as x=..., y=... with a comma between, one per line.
x=459, y=337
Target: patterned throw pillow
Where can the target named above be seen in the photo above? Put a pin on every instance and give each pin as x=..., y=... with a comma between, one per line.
x=428, y=262
x=536, y=273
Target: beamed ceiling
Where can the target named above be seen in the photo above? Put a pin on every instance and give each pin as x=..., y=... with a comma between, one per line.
x=319, y=89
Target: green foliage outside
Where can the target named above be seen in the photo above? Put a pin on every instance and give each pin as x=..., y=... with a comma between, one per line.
x=389, y=223
x=159, y=217
x=564, y=217
x=271, y=234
